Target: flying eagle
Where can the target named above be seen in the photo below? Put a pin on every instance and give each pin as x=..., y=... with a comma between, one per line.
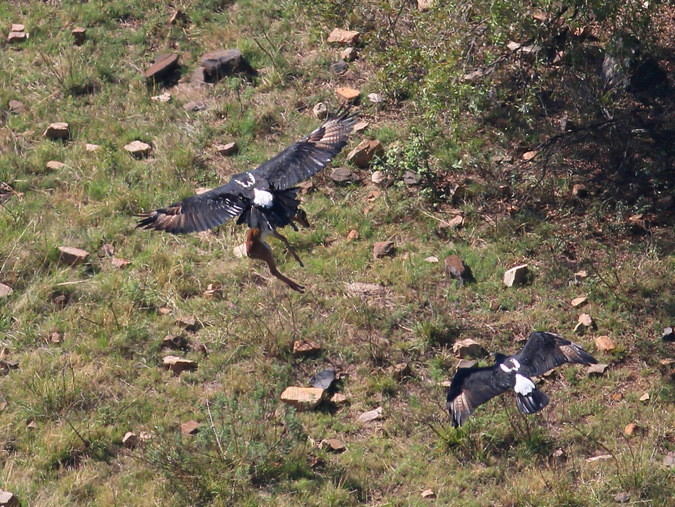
x=264, y=198
x=471, y=387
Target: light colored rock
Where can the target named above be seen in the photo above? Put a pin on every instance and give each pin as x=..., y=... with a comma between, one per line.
x=586, y=320
x=371, y=415
x=5, y=291
x=213, y=291
x=79, y=35
x=581, y=275
x=580, y=301
x=188, y=323
x=375, y=98
x=579, y=190
x=630, y=429
x=353, y=235
x=55, y=337
x=604, y=343
x=468, y=347
x=8, y=499
x=340, y=36
x=57, y=130
x=432, y=259
x=454, y=223
x=427, y=493
x=363, y=154
x=16, y=107
x=320, y=110
x=239, y=251
x=602, y=457
x=138, y=149
x=130, y=440
x=669, y=460
x=163, y=97
x=529, y=155
x=92, y=147
x=17, y=27
x=176, y=342
x=32, y=425
x=597, y=370
x=361, y=126
x=227, y=150
x=178, y=365
x=349, y=54
x=119, y=263
x=383, y=249
x=333, y=445
x=645, y=397
x=424, y=6
x=516, y=276
x=202, y=190
x=366, y=289
x=16, y=37
x=303, y=398
x=189, y=428
x=347, y=94
x=72, y=256
x=305, y=348
x=466, y=363
x=54, y=165
x=380, y=179
x=339, y=399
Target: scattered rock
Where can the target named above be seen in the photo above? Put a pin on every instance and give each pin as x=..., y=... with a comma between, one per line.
x=72, y=256
x=164, y=310
x=559, y=455
x=604, y=343
x=366, y=289
x=202, y=190
x=668, y=335
x=630, y=429
x=645, y=397
x=456, y=268
x=333, y=445
x=130, y=440
x=622, y=498
x=383, y=249
x=60, y=301
x=529, y=155
x=224, y=62
x=92, y=147
x=16, y=37
x=138, y=149
x=411, y=178
x=347, y=94
x=213, y=292
x=163, y=65
x=363, y=154
x=324, y=379
x=371, y=415
x=339, y=67
x=424, y=6
x=339, y=399
x=427, y=493
x=349, y=54
x=669, y=460
x=54, y=165
x=432, y=259
x=454, y=223
x=194, y=105
x=79, y=35
x=8, y=499
x=305, y=348
x=467, y=348
x=353, y=235
x=516, y=276
x=5, y=291
x=239, y=251
x=176, y=342
x=178, y=17
x=360, y=126
x=163, y=97
x=579, y=190
x=228, y=149
x=6, y=366
x=597, y=370
x=55, y=337
x=602, y=457
x=107, y=250
x=303, y=398
x=58, y=130
x=189, y=428
x=32, y=425
x=188, y=323
x=466, y=363
x=119, y=263
x=585, y=322
x=375, y=98
x=18, y=27
x=320, y=110
x=580, y=301
x=178, y=365
x=340, y=36
x=16, y=107
x=198, y=76
x=380, y=179
x=342, y=175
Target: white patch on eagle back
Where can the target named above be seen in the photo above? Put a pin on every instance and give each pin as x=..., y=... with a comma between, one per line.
x=250, y=181
x=262, y=198
x=515, y=365
x=523, y=385
x=505, y=368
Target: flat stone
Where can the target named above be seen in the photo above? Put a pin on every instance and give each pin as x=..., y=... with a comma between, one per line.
x=198, y=76
x=188, y=323
x=340, y=36
x=581, y=275
x=428, y=493
x=333, y=445
x=32, y=425
x=189, y=428
x=580, y=301
x=16, y=37
x=347, y=94
x=353, y=235
x=586, y=320
x=597, y=370
x=366, y=289
x=622, y=497
x=602, y=457
x=107, y=250
x=54, y=165
x=55, y=337
x=8, y=499
x=529, y=155
x=163, y=65
x=7, y=365
x=604, y=343
x=669, y=460
x=18, y=27
x=516, y=276
x=424, y=6
x=130, y=440
x=411, y=178
x=57, y=130
x=16, y=107
x=375, y=98
x=363, y=154
x=645, y=397
x=178, y=365
x=91, y=147
x=119, y=263
x=303, y=398
x=361, y=126
x=349, y=54
x=454, y=223
x=383, y=249
x=239, y=251
x=224, y=62
x=466, y=363
x=320, y=110
x=79, y=35
x=339, y=67
x=164, y=310
x=213, y=291
x=371, y=415
x=72, y=256
x=432, y=259
x=176, y=342
x=162, y=97
x=305, y=348
x=579, y=190
x=339, y=399
x=630, y=429
x=457, y=269
x=138, y=149
x=194, y=105
x=227, y=150
x=342, y=175
x=468, y=347
x=5, y=291
x=380, y=179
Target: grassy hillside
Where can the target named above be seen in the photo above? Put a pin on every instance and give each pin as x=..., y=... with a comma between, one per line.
x=500, y=134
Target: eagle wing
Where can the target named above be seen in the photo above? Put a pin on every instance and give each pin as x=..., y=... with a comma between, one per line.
x=470, y=388
x=544, y=351
x=305, y=158
x=198, y=212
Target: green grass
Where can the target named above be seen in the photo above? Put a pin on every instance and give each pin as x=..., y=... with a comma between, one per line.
x=105, y=377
